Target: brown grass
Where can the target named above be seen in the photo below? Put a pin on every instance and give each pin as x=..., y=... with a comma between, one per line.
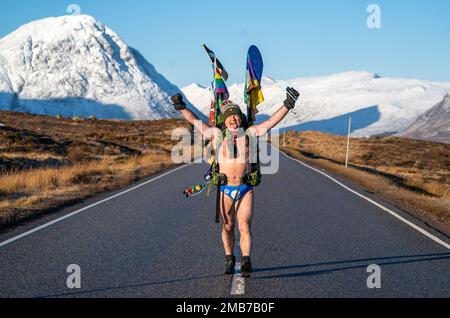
x=413, y=175
x=47, y=163
x=28, y=193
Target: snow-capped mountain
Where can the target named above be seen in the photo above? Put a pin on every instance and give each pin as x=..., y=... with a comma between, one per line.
x=433, y=125
x=75, y=65
x=377, y=105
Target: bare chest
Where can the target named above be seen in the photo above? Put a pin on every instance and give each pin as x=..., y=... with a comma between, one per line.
x=234, y=148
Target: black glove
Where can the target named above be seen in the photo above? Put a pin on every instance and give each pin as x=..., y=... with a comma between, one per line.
x=177, y=101
x=292, y=96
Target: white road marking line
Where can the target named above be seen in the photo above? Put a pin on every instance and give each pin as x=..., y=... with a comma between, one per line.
x=414, y=226
x=18, y=237
x=238, y=283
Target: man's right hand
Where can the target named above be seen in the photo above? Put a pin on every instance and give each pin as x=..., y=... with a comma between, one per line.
x=177, y=101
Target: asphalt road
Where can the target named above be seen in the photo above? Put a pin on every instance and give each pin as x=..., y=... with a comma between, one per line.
x=312, y=238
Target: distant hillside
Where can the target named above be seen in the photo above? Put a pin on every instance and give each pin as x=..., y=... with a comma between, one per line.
x=378, y=105
x=433, y=125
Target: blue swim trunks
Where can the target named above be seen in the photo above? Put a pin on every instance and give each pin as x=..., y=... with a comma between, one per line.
x=235, y=192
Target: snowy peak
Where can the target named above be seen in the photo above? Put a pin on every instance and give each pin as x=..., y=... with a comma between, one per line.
x=350, y=76
x=266, y=80
x=75, y=65
x=45, y=29
x=199, y=96
x=195, y=86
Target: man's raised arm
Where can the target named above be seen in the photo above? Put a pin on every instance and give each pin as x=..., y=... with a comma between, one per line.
x=291, y=98
x=188, y=115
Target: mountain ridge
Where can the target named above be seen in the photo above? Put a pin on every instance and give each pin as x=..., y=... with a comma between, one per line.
x=433, y=125
x=328, y=101
x=75, y=65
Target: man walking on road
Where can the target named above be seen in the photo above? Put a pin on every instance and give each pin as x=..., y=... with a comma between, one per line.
x=237, y=192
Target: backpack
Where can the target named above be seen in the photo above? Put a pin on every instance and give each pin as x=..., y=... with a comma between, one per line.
x=253, y=178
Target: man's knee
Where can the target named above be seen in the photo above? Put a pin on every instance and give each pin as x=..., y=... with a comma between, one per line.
x=229, y=228
x=245, y=228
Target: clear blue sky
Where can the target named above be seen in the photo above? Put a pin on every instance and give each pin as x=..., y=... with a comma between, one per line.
x=297, y=38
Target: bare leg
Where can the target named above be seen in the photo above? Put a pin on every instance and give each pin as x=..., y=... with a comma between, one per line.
x=244, y=219
x=228, y=236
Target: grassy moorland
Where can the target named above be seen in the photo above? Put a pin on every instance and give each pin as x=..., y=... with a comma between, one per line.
x=47, y=163
x=411, y=174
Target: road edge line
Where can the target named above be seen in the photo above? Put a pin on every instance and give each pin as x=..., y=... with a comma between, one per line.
x=411, y=224
x=36, y=229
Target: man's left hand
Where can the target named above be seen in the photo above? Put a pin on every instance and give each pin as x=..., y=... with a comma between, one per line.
x=292, y=96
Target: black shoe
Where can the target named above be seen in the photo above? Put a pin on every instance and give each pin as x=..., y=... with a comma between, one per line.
x=230, y=264
x=246, y=266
